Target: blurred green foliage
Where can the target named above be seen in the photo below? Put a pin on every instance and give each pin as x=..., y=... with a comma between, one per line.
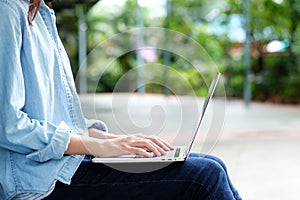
x=275, y=76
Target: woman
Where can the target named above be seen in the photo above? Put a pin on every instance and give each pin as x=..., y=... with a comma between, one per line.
x=44, y=136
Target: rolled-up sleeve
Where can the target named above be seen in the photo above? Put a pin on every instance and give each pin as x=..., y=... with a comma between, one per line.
x=57, y=146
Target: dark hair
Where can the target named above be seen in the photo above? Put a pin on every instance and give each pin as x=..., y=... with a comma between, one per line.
x=34, y=8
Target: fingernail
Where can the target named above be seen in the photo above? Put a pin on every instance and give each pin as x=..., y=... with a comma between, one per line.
x=151, y=154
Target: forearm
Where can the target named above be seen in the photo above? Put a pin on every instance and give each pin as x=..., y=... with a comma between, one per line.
x=85, y=145
x=77, y=145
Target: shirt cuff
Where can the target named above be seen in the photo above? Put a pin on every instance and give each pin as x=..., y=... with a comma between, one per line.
x=97, y=124
x=57, y=146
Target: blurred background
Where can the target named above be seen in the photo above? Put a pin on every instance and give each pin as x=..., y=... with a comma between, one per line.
x=254, y=44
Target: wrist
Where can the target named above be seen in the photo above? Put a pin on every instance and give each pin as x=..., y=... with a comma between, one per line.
x=78, y=145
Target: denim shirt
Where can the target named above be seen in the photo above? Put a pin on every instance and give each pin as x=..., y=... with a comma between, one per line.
x=39, y=105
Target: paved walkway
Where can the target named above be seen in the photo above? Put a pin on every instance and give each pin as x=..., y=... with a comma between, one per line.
x=260, y=144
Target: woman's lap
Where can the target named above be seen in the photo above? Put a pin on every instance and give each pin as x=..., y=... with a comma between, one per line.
x=199, y=177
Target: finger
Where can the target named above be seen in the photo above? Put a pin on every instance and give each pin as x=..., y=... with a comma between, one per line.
x=158, y=148
x=139, y=151
x=138, y=145
x=163, y=144
x=150, y=146
x=160, y=142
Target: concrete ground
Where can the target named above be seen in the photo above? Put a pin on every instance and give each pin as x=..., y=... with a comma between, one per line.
x=260, y=144
x=261, y=147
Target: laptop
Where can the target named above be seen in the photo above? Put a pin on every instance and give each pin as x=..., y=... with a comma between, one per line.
x=180, y=153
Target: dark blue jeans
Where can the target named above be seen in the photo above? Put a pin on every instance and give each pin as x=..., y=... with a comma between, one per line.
x=199, y=177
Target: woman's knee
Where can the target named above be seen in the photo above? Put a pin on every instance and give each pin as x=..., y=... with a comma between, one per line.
x=210, y=157
x=210, y=174
x=206, y=167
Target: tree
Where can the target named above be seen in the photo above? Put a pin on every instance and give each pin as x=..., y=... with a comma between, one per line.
x=275, y=72
x=275, y=75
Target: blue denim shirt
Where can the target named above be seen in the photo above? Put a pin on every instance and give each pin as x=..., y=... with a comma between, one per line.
x=39, y=105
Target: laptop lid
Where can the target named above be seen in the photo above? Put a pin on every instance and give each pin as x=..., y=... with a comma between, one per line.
x=208, y=97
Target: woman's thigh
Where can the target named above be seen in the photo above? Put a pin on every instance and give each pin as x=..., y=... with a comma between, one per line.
x=198, y=177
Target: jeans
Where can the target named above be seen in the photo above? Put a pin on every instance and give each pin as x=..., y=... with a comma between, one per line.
x=199, y=177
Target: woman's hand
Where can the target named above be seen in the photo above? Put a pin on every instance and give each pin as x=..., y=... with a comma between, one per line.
x=129, y=144
x=146, y=146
